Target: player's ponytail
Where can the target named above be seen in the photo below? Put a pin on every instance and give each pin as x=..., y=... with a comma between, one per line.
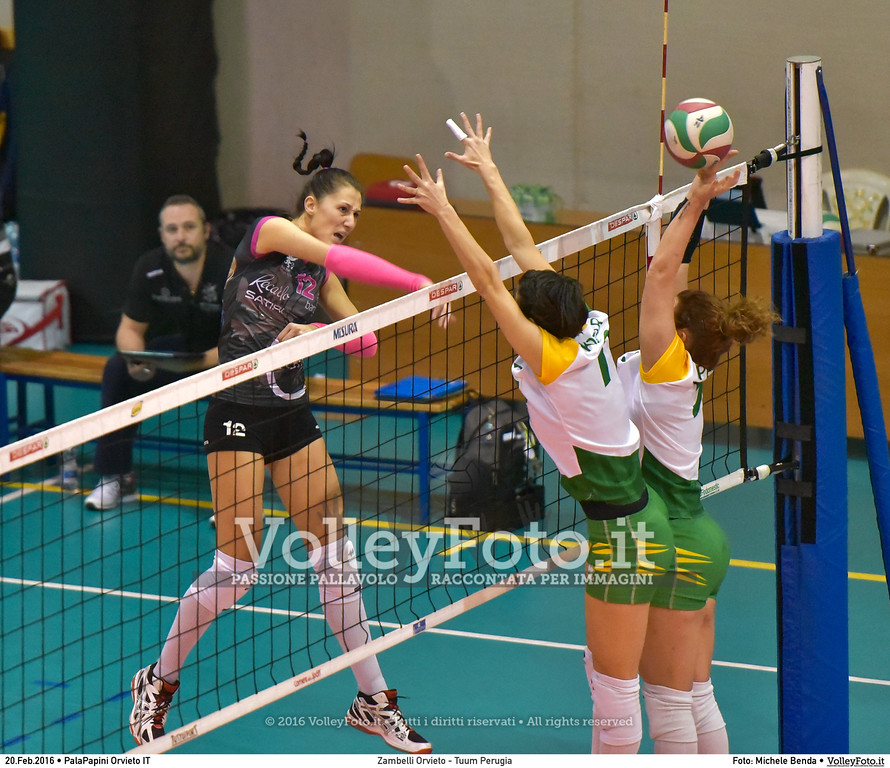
x=747, y=319
x=322, y=159
x=713, y=324
x=325, y=178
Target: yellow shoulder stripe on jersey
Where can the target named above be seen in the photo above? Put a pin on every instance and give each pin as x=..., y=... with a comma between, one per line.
x=558, y=354
x=673, y=365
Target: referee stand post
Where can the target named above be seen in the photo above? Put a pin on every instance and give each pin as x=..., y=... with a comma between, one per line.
x=809, y=422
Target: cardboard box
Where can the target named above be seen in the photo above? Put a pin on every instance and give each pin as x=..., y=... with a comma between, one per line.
x=40, y=316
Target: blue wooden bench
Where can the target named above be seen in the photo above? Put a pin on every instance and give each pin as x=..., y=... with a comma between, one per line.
x=330, y=397
x=45, y=369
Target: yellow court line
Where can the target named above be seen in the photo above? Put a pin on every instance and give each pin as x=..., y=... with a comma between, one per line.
x=472, y=536
x=867, y=576
x=853, y=575
x=753, y=564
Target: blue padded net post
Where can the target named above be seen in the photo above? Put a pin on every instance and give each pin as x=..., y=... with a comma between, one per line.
x=811, y=507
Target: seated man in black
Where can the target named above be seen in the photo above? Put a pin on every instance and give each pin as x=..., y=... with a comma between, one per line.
x=173, y=304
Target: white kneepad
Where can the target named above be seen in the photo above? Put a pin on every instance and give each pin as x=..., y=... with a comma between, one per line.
x=616, y=710
x=337, y=569
x=704, y=708
x=224, y=583
x=669, y=712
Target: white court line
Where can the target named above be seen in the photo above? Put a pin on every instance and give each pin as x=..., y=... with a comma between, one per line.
x=868, y=680
x=16, y=495
x=381, y=624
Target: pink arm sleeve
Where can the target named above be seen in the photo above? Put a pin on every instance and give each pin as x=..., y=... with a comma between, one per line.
x=353, y=264
x=364, y=346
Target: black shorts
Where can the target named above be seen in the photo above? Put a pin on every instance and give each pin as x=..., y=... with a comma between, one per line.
x=274, y=433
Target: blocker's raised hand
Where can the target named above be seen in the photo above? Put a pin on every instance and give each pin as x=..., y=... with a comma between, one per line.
x=423, y=190
x=706, y=186
x=477, y=145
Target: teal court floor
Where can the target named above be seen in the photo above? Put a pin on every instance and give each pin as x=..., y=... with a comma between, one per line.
x=503, y=678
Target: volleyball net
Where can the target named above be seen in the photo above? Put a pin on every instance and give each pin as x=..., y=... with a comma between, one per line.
x=88, y=597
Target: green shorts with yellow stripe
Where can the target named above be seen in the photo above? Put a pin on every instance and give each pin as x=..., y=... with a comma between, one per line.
x=702, y=559
x=630, y=556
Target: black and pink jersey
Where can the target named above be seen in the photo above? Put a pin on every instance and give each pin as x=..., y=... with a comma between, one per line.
x=263, y=295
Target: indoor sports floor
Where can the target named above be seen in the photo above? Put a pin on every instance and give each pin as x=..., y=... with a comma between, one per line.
x=503, y=678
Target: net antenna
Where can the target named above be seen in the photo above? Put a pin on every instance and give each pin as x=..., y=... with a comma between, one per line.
x=664, y=58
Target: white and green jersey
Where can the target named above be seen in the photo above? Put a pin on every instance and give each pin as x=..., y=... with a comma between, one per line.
x=666, y=404
x=579, y=413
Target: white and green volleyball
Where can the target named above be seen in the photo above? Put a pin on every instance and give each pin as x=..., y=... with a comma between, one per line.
x=698, y=133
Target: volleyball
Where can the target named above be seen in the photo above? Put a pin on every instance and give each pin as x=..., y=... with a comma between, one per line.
x=698, y=133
